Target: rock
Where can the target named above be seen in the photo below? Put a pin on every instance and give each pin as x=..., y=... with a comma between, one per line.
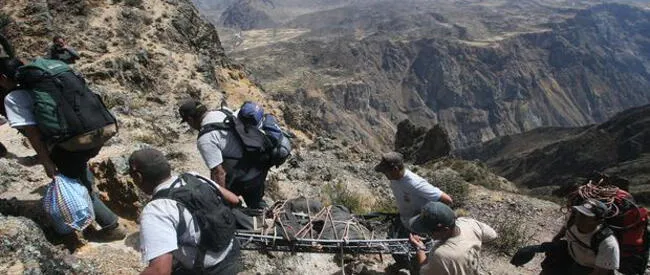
x=123, y=197
x=242, y=15
x=23, y=244
x=420, y=145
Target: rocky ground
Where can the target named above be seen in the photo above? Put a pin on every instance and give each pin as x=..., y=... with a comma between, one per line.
x=326, y=162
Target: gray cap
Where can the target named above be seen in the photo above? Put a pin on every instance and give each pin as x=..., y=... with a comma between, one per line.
x=592, y=208
x=434, y=215
x=389, y=161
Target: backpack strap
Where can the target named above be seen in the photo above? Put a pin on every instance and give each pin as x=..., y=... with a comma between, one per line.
x=166, y=194
x=598, y=237
x=214, y=127
x=227, y=124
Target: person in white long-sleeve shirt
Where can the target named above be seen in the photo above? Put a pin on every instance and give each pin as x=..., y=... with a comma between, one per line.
x=411, y=193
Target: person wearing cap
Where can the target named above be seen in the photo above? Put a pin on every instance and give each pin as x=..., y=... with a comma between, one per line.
x=223, y=152
x=577, y=256
x=164, y=248
x=459, y=240
x=410, y=190
x=411, y=193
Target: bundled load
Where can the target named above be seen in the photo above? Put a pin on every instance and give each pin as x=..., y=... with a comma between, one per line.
x=303, y=225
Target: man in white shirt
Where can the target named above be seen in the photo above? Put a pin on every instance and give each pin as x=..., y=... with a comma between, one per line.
x=458, y=249
x=410, y=190
x=581, y=255
x=168, y=240
x=411, y=193
x=223, y=152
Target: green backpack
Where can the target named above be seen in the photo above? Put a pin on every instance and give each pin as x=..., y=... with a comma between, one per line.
x=68, y=113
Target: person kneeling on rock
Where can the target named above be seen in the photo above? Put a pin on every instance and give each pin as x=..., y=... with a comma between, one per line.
x=411, y=193
x=459, y=240
x=173, y=238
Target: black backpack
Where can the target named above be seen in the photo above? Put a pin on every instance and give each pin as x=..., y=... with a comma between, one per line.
x=263, y=146
x=68, y=113
x=209, y=210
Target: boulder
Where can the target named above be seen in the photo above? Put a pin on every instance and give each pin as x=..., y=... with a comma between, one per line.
x=419, y=144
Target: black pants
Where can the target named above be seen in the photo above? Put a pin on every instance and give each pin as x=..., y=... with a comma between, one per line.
x=398, y=231
x=75, y=165
x=558, y=261
x=3, y=151
x=252, y=190
x=229, y=265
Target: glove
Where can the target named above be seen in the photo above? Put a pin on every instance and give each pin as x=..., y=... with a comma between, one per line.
x=524, y=255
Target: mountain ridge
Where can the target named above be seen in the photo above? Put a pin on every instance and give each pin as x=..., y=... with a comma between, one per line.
x=556, y=74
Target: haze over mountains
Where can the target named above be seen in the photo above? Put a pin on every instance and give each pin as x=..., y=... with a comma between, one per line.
x=481, y=69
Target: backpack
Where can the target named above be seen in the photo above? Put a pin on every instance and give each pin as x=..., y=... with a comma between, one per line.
x=209, y=210
x=68, y=113
x=263, y=146
x=629, y=224
x=280, y=149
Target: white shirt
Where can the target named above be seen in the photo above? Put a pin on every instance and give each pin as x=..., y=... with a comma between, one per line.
x=158, y=224
x=20, y=108
x=411, y=193
x=608, y=256
x=216, y=145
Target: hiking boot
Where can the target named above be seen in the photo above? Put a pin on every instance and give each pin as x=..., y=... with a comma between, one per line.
x=28, y=160
x=109, y=235
x=3, y=151
x=74, y=241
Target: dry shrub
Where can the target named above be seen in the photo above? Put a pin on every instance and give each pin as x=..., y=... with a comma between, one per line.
x=514, y=233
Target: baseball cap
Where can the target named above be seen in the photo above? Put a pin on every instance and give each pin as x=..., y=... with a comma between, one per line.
x=389, y=161
x=251, y=112
x=189, y=108
x=592, y=208
x=433, y=216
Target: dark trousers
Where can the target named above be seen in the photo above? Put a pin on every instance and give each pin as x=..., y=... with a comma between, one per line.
x=75, y=165
x=3, y=151
x=252, y=190
x=558, y=261
x=398, y=231
x=229, y=265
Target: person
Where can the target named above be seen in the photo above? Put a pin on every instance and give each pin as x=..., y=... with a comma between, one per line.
x=163, y=240
x=411, y=193
x=459, y=240
x=19, y=106
x=410, y=190
x=223, y=153
x=59, y=50
x=573, y=252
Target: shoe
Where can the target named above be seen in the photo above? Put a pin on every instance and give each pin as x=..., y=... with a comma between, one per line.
x=109, y=235
x=74, y=241
x=3, y=151
x=29, y=160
